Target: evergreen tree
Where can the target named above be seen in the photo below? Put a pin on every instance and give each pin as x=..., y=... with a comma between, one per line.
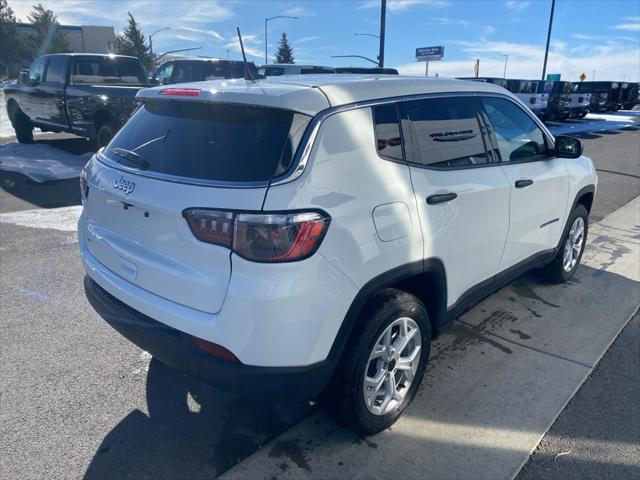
x=12, y=46
x=284, y=54
x=45, y=37
x=132, y=42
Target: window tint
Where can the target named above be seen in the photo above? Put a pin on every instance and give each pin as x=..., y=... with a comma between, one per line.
x=108, y=71
x=311, y=70
x=445, y=132
x=271, y=71
x=516, y=135
x=163, y=74
x=187, y=72
x=211, y=141
x=55, y=70
x=387, y=130
x=36, y=71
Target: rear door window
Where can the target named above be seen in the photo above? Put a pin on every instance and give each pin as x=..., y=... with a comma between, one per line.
x=445, y=133
x=163, y=74
x=107, y=71
x=515, y=133
x=214, y=142
x=387, y=130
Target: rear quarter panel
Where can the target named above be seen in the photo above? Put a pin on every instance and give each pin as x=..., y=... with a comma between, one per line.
x=346, y=178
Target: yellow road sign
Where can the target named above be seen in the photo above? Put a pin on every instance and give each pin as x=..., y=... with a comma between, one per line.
x=582, y=77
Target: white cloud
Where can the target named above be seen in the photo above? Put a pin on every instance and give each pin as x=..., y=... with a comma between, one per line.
x=251, y=44
x=305, y=40
x=299, y=11
x=488, y=29
x=203, y=32
x=516, y=6
x=632, y=27
x=400, y=5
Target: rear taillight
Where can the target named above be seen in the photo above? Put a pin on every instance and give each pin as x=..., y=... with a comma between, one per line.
x=261, y=237
x=181, y=92
x=84, y=186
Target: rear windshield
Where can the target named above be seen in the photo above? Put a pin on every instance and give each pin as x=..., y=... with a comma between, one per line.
x=107, y=71
x=218, y=142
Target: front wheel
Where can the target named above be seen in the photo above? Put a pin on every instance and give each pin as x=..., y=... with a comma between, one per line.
x=568, y=257
x=383, y=365
x=23, y=127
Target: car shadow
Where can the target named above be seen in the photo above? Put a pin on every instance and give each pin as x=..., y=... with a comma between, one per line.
x=54, y=194
x=192, y=430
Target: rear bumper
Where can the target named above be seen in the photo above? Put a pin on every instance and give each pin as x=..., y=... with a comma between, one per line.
x=178, y=350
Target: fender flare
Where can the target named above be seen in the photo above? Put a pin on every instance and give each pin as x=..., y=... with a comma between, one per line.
x=591, y=188
x=431, y=266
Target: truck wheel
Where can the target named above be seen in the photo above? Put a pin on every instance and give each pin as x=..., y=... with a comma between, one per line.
x=106, y=133
x=568, y=257
x=23, y=127
x=383, y=364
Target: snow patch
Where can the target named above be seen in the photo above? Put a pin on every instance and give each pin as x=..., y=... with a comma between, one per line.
x=41, y=162
x=595, y=122
x=64, y=219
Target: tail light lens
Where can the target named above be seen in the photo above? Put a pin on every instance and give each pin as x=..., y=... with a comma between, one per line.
x=261, y=237
x=181, y=92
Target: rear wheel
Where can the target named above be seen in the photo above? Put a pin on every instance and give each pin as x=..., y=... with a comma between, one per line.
x=383, y=366
x=106, y=133
x=568, y=257
x=23, y=127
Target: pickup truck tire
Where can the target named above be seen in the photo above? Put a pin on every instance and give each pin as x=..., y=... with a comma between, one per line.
x=23, y=127
x=567, y=260
x=106, y=133
x=374, y=353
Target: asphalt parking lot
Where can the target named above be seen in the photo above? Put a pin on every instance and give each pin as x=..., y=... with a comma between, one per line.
x=78, y=400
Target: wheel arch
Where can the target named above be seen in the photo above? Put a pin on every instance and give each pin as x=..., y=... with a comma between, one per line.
x=12, y=108
x=425, y=279
x=102, y=117
x=584, y=197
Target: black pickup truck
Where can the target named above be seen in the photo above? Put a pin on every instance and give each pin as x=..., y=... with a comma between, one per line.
x=90, y=95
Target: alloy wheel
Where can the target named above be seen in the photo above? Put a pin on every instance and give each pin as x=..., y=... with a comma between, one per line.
x=573, y=245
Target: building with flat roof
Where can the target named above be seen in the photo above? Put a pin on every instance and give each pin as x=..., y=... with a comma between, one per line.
x=83, y=38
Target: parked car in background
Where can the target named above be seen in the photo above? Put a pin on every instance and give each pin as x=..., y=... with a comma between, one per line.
x=278, y=69
x=90, y=95
x=527, y=92
x=367, y=70
x=200, y=69
x=629, y=96
x=605, y=96
x=579, y=104
x=305, y=245
x=559, y=100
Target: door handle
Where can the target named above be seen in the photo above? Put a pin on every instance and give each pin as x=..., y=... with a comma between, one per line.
x=523, y=183
x=441, y=198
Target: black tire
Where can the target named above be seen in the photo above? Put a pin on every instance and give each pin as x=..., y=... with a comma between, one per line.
x=344, y=397
x=556, y=271
x=106, y=133
x=23, y=127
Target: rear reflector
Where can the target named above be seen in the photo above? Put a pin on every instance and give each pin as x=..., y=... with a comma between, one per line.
x=215, y=350
x=181, y=92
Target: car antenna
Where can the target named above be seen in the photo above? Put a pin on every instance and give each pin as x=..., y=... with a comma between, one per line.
x=247, y=72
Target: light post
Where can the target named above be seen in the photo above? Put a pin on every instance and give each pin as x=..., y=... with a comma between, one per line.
x=355, y=56
x=151, y=39
x=546, y=51
x=265, y=32
x=506, y=57
x=370, y=35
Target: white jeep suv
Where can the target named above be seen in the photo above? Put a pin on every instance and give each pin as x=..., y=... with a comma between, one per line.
x=311, y=235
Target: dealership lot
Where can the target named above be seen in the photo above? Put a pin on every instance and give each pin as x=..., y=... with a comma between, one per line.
x=79, y=399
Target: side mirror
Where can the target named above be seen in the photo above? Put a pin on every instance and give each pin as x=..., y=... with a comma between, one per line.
x=153, y=81
x=568, y=147
x=23, y=76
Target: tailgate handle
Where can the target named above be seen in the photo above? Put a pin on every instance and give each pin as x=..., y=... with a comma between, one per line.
x=441, y=198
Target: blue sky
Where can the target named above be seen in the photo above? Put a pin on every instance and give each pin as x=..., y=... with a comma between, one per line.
x=587, y=35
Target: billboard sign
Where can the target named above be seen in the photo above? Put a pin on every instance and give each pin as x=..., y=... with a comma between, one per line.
x=426, y=54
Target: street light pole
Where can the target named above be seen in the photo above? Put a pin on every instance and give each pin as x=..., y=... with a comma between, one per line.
x=546, y=51
x=266, y=60
x=383, y=19
x=506, y=57
x=151, y=40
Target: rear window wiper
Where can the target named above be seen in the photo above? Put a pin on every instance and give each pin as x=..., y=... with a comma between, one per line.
x=133, y=157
